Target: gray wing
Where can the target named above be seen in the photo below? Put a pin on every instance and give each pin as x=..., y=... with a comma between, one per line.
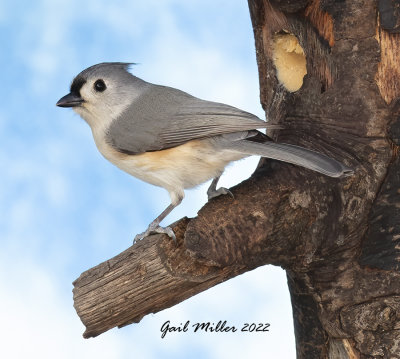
x=164, y=117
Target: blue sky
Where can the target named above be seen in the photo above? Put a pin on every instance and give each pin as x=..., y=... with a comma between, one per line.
x=64, y=208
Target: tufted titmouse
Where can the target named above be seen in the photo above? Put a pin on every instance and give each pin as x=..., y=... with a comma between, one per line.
x=171, y=139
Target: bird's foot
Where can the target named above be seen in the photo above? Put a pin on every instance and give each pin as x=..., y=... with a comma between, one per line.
x=153, y=229
x=211, y=193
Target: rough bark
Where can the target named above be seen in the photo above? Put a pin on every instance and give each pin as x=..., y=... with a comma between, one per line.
x=339, y=240
x=345, y=297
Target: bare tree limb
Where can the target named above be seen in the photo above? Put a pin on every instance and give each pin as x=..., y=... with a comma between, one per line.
x=154, y=274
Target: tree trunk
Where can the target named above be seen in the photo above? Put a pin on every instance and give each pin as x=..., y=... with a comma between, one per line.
x=345, y=290
x=329, y=74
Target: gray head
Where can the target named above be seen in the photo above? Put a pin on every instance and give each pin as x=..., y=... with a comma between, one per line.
x=101, y=92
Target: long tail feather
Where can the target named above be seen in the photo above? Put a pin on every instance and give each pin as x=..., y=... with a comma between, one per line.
x=293, y=154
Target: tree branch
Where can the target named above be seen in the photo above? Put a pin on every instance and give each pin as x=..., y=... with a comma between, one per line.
x=155, y=274
x=150, y=276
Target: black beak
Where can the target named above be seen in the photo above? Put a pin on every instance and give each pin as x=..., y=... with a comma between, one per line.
x=70, y=100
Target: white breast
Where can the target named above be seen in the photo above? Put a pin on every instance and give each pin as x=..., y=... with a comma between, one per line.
x=174, y=169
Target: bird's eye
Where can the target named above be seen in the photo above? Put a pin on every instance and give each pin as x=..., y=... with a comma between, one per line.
x=99, y=85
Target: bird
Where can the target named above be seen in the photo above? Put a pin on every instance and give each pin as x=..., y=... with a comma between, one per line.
x=171, y=139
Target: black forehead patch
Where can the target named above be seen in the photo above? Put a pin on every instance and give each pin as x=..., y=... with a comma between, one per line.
x=77, y=84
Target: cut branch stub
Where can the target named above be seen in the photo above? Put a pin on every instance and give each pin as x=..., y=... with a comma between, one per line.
x=152, y=275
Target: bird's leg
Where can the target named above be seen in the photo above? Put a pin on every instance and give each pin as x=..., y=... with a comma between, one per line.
x=154, y=227
x=214, y=192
